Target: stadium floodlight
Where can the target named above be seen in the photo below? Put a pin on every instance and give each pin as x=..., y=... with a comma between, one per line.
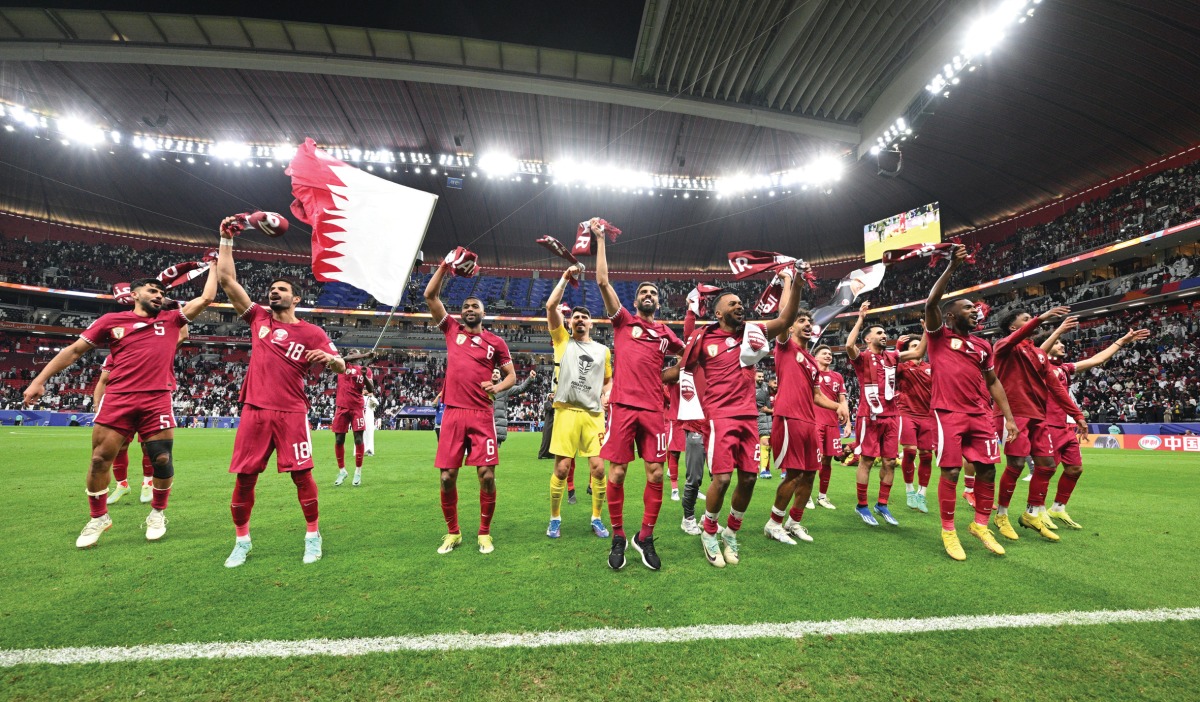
x=283, y=152
x=231, y=150
x=498, y=164
x=76, y=130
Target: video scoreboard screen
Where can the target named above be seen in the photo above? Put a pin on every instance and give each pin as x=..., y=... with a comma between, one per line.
x=922, y=225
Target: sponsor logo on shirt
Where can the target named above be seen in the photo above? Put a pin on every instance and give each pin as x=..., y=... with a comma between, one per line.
x=118, y=332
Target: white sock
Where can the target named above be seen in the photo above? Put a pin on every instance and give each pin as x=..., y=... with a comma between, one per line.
x=1059, y=507
x=1033, y=510
x=712, y=515
x=245, y=538
x=310, y=534
x=147, y=481
x=152, y=511
x=822, y=496
x=921, y=490
x=358, y=471
x=908, y=487
x=777, y=512
x=1001, y=511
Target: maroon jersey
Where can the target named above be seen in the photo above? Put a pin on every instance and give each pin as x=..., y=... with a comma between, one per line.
x=350, y=387
x=958, y=364
x=470, y=360
x=728, y=388
x=141, y=349
x=275, y=379
x=798, y=376
x=876, y=382
x=640, y=347
x=1056, y=414
x=916, y=380
x=832, y=385
x=1025, y=372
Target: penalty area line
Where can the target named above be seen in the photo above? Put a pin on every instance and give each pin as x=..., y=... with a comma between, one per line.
x=580, y=637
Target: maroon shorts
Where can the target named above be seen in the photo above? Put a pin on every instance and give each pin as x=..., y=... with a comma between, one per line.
x=263, y=431
x=676, y=436
x=1033, y=438
x=346, y=419
x=878, y=438
x=733, y=445
x=143, y=413
x=633, y=426
x=965, y=436
x=917, y=432
x=468, y=434
x=796, y=444
x=831, y=441
x=1066, y=446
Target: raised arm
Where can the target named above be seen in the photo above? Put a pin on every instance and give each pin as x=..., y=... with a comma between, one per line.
x=433, y=294
x=554, y=318
x=1067, y=325
x=524, y=384
x=787, y=306
x=61, y=360
x=227, y=271
x=195, y=306
x=997, y=391
x=612, y=303
x=933, y=303
x=917, y=353
x=1102, y=357
x=852, y=337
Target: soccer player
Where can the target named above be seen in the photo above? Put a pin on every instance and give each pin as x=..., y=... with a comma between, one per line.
x=468, y=429
x=635, y=417
x=137, y=398
x=796, y=433
x=349, y=414
x=725, y=353
x=917, y=434
x=1029, y=381
x=583, y=380
x=283, y=349
x=833, y=385
x=764, y=397
x=961, y=396
x=1066, y=440
x=878, y=421
x=120, y=464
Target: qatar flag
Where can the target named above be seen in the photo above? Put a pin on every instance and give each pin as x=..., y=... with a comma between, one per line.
x=366, y=231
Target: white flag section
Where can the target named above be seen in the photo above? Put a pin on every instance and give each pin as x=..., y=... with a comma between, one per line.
x=366, y=230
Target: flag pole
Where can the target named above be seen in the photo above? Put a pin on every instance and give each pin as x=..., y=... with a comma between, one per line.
x=385, y=326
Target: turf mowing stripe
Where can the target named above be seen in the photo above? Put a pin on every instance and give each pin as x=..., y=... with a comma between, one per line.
x=593, y=637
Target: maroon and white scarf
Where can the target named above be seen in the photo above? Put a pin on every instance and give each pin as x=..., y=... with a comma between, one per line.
x=585, y=242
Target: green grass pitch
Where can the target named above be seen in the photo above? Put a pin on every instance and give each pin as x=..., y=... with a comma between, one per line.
x=380, y=576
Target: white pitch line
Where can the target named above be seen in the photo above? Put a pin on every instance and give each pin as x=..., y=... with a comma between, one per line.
x=581, y=637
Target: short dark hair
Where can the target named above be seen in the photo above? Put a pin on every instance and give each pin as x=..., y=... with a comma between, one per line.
x=646, y=284
x=580, y=308
x=1040, y=338
x=804, y=312
x=473, y=297
x=147, y=281
x=873, y=327
x=822, y=347
x=722, y=294
x=297, y=290
x=1007, y=319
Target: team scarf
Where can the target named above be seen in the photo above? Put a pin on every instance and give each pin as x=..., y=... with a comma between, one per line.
x=462, y=262
x=557, y=248
x=984, y=309
x=122, y=293
x=585, y=241
x=700, y=297
x=180, y=273
x=752, y=262
x=934, y=252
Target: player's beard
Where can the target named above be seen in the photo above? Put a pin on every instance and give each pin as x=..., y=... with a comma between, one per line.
x=471, y=320
x=733, y=318
x=149, y=307
x=648, y=306
x=279, y=305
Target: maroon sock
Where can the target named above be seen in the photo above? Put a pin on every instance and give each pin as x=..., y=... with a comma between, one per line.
x=1039, y=485
x=120, y=465
x=616, y=507
x=885, y=491
x=968, y=483
x=147, y=467
x=243, y=502
x=1008, y=484
x=985, y=494
x=359, y=450
x=652, y=501
x=947, y=495
x=796, y=513
x=306, y=492
x=734, y=523
x=673, y=468
x=862, y=494
x=571, y=477
x=925, y=469
x=98, y=504
x=450, y=509
x=158, y=498
x=487, y=508
x=826, y=472
x=710, y=526
x=1066, y=485
x=908, y=465
x=339, y=450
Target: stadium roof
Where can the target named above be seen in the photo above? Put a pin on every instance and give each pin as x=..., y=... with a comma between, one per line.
x=1082, y=92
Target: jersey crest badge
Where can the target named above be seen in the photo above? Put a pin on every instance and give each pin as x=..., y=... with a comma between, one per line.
x=956, y=344
x=713, y=349
x=118, y=332
x=263, y=331
x=460, y=339
x=636, y=332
